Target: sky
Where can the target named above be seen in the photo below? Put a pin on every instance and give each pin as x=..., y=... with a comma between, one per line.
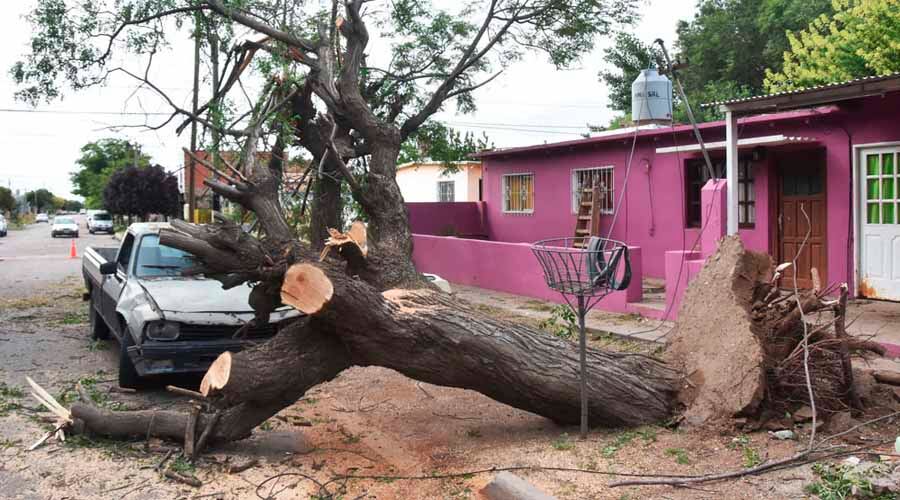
x=530, y=103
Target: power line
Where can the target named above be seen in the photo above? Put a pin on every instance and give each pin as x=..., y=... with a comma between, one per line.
x=81, y=112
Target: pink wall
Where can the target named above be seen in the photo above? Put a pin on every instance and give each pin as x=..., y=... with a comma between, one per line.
x=511, y=268
x=652, y=213
x=463, y=218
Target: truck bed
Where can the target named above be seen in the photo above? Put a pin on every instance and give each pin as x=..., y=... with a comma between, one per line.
x=93, y=257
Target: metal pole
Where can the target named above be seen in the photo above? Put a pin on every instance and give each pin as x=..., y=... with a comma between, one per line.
x=189, y=189
x=583, y=345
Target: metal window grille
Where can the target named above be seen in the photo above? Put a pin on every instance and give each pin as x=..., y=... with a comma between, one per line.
x=518, y=193
x=446, y=191
x=698, y=175
x=585, y=178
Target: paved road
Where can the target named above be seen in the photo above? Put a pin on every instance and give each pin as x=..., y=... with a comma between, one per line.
x=30, y=259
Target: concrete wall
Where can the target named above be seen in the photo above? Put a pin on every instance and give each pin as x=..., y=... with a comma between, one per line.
x=464, y=219
x=418, y=181
x=511, y=268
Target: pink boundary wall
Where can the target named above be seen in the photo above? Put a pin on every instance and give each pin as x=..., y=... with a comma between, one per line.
x=512, y=268
x=463, y=218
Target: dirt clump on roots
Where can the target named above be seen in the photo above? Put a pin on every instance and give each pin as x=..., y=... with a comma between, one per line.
x=713, y=341
x=740, y=343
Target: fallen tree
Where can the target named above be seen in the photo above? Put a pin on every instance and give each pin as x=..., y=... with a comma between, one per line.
x=365, y=304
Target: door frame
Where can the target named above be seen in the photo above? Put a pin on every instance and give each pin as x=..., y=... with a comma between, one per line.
x=858, y=151
x=779, y=198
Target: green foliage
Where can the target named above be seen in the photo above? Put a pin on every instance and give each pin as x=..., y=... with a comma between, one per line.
x=437, y=142
x=562, y=443
x=862, y=38
x=562, y=322
x=98, y=161
x=681, y=456
x=838, y=482
x=727, y=45
x=7, y=200
x=40, y=200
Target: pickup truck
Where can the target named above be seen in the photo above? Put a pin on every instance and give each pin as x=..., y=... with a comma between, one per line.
x=165, y=322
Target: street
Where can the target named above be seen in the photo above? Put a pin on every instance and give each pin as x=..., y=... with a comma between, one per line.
x=31, y=260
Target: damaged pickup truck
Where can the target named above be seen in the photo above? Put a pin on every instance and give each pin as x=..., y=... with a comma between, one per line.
x=165, y=322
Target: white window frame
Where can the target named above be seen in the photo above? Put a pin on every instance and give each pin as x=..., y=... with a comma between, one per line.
x=504, y=191
x=576, y=189
x=452, y=185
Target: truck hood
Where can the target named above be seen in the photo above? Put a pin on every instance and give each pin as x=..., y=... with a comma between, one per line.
x=188, y=295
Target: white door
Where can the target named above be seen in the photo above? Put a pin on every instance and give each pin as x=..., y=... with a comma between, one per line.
x=879, y=223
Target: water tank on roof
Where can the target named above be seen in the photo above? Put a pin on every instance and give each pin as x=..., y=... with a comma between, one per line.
x=651, y=98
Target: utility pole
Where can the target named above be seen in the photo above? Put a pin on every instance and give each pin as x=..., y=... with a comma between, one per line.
x=189, y=188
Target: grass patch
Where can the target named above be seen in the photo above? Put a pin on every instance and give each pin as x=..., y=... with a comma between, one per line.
x=680, y=455
x=563, y=443
x=837, y=482
x=750, y=454
x=8, y=395
x=74, y=318
x=182, y=466
x=98, y=345
x=537, y=305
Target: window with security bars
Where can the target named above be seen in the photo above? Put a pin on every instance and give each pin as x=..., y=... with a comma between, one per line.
x=586, y=178
x=446, y=191
x=881, y=188
x=518, y=193
x=698, y=175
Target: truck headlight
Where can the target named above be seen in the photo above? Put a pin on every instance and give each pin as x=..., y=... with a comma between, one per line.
x=163, y=330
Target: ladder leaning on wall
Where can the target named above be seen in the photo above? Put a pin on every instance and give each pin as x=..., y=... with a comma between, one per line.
x=588, y=222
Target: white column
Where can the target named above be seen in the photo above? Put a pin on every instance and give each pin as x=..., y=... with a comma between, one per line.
x=731, y=170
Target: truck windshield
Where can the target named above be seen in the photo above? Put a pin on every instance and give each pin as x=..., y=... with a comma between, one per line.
x=102, y=217
x=154, y=259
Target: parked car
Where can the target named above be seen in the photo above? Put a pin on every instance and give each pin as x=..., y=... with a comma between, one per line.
x=165, y=322
x=82, y=211
x=63, y=226
x=100, y=222
x=3, y=226
x=42, y=218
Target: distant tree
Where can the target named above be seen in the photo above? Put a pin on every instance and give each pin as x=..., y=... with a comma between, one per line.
x=73, y=205
x=40, y=200
x=862, y=38
x=7, y=200
x=141, y=191
x=435, y=141
x=727, y=46
x=97, y=163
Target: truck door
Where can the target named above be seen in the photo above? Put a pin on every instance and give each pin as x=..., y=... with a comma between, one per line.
x=114, y=283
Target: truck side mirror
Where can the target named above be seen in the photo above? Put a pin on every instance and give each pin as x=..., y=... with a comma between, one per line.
x=108, y=268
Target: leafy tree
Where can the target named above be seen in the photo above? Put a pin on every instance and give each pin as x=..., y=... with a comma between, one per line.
x=7, y=200
x=862, y=38
x=73, y=205
x=40, y=200
x=437, y=142
x=142, y=191
x=727, y=45
x=97, y=163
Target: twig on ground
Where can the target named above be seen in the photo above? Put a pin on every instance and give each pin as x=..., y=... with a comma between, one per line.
x=185, y=392
x=181, y=478
x=236, y=468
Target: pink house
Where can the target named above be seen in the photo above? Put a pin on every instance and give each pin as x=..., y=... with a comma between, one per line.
x=819, y=165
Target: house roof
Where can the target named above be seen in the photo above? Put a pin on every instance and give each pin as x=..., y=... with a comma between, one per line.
x=641, y=132
x=812, y=96
x=427, y=163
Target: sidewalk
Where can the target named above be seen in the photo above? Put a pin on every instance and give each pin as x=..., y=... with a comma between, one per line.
x=869, y=318
x=599, y=322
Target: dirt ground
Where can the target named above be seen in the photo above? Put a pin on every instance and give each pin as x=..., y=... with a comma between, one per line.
x=367, y=422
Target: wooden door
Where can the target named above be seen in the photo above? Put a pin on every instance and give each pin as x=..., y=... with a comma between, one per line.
x=802, y=216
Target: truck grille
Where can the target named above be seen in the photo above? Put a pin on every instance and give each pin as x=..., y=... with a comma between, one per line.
x=209, y=332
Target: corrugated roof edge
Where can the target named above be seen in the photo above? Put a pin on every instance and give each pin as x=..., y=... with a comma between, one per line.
x=784, y=115
x=846, y=83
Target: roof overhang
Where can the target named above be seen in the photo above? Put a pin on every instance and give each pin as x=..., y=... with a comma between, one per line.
x=812, y=96
x=749, y=142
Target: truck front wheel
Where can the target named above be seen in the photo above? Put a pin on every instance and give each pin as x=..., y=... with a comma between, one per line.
x=128, y=375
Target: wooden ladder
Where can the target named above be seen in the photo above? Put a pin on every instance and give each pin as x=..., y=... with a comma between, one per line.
x=588, y=222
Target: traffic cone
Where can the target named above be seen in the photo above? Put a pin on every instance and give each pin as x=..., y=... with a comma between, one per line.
x=73, y=252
